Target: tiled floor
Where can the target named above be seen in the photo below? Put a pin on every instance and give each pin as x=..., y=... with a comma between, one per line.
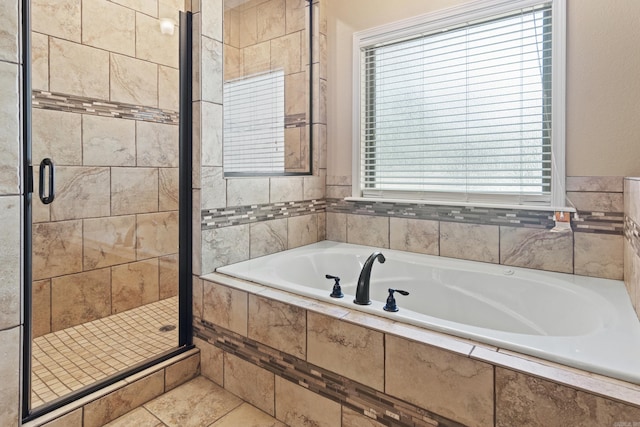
x=72, y=358
x=197, y=403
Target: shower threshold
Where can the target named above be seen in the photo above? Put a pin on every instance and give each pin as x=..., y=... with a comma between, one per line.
x=72, y=358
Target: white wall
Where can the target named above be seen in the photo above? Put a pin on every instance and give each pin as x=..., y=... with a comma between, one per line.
x=603, y=80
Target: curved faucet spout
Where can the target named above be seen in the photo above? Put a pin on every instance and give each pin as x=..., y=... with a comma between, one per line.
x=362, y=291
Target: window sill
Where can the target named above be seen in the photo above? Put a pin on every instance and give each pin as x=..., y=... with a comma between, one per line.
x=466, y=204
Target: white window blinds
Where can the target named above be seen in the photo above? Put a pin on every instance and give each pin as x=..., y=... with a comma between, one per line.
x=460, y=110
x=253, y=124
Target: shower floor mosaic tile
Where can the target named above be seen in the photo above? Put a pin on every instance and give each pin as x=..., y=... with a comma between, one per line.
x=67, y=360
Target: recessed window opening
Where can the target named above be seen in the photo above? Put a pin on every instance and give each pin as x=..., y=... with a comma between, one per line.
x=462, y=112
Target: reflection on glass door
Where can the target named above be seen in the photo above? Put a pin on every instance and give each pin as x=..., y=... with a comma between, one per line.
x=105, y=107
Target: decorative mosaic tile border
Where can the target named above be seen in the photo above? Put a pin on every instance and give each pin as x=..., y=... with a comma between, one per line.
x=237, y=215
x=592, y=222
x=385, y=409
x=632, y=234
x=98, y=107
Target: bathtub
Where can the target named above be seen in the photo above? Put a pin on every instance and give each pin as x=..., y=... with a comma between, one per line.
x=583, y=322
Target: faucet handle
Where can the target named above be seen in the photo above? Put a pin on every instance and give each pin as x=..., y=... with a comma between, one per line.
x=337, y=291
x=391, y=300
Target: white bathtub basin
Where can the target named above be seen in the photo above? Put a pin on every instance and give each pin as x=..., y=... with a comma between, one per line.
x=579, y=321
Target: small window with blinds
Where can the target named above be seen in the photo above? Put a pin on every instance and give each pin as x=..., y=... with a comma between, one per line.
x=462, y=112
x=253, y=124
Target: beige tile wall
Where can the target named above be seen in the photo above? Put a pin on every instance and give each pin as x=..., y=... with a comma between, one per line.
x=596, y=254
x=466, y=382
x=10, y=213
x=267, y=28
x=631, y=241
x=112, y=231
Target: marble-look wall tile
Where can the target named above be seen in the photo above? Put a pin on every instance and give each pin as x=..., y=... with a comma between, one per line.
x=211, y=78
x=337, y=227
x=285, y=189
x=109, y=241
x=295, y=18
x=249, y=382
x=314, y=186
x=632, y=199
x=134, y=284
x=10, y=31
x=256, y=59
x=295, y=94
x=61, y=18
x=41, y=307
x=338, y=191
x=225, y=307
x=223, y=246
x=197, y=246
x=134, y=190
x=598, y=255
x=196, y=72
x=248, y=27
x=212, y=13
x=197, y=293
x=299, y=407
x=267, y=237
x=270, y=19
x=196, y=146
x=446, y=383
x=75, y=69
x=106, y=141
x=81, y=192
x=330, y=342
x=168, y=88
x=534, y=248
x=152, y=45
x=39, y=61
x=108, y=408
x=320, y=145
x=211, y=361
x=10, y=125
x=233, y=66
x=71, y=419
x=157, y=234
x=157, y=144
x=597, y=202
x=352, y=418
x=278, y=325
x=524, y=400
x=302, y=230
x=145, y=6
x=57, y=249
x=214, y=189
x=168, y=189
x=109, y=26
x=10, y=374
x=182, y=371
x=10, y=268
x=211, y=134
x=322, y=226
x=609, y=184
x=168, y=276
x=368, y=230
x=632, y=274
x=133, y=81
x=415, y=235
x=247, y=191
x=474, y=242
x=58, y=135
x=285, y=53
x=80, y=298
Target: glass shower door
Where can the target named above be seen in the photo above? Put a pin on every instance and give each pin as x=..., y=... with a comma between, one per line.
x=105, y=102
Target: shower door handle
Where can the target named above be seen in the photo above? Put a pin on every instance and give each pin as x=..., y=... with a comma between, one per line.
x=47, y=163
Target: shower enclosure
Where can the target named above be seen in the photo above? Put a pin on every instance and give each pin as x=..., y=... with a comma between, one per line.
x=108, y=157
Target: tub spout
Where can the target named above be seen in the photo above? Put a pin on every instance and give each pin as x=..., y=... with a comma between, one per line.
x=362, y=291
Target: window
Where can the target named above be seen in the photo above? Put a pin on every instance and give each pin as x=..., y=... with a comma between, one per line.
x=466, y=105
x=253, y=124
